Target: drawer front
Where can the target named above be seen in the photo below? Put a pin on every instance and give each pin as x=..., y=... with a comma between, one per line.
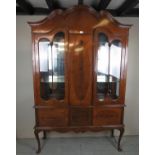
x=80, y=117
x=53, y=117
x=107, y=116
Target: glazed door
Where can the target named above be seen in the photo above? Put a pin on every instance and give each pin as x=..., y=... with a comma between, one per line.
x=52, y=69
x=108, y=60
x=80, y=69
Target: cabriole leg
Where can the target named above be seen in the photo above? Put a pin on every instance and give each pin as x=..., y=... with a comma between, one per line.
x=119, y=139
x=44, y=135
x=38, y=140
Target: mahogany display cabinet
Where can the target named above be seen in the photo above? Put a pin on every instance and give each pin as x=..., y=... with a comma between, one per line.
x=79, y=72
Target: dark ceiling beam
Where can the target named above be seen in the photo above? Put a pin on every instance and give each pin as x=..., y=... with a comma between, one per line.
x=42, y=11
x=26, y=6
x=80, y=2
x=127, y=6
x=103, y=4
x=53, y=4
x=132, y=13
x=112, y=12
x=45, y=11
x=124, y=10
x=37, y=11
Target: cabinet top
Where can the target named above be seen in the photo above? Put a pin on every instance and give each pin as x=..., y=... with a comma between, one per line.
x=79, y=18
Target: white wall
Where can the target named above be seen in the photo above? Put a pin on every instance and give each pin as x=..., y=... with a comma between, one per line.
x=25, y=101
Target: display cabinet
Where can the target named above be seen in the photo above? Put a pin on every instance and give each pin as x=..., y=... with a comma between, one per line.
x=79, y=72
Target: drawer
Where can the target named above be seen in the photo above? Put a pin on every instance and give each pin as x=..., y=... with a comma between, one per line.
x=53, y=117
x=80, y=116
x=107, y=116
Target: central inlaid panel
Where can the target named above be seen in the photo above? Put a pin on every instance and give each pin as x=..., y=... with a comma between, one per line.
x=80, y=71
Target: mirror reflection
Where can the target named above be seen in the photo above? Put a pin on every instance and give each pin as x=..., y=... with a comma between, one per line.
x=102, y=66
x=108, y=68
x=51, y=58
x=115, y=64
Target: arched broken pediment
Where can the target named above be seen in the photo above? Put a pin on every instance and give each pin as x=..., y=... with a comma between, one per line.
x=77, y=18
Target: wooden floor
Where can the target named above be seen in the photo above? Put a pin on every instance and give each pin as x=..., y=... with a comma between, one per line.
x=79, y=146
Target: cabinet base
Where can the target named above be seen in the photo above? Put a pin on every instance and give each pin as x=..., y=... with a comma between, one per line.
x=79, y=129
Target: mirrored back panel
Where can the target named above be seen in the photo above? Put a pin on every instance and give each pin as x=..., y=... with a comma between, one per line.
x=108, y=68
x=51, y=59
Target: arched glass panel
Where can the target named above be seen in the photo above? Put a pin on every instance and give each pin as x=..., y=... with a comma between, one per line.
x=51, y=58
x=102, y=66
x=115, y=66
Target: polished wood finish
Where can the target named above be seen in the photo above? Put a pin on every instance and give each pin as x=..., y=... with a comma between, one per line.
x=80, y=69
x=81, y=116
x=107, y=116
x=119, y=139
x=52, y=117
x=36, y=133
x=80, y=110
